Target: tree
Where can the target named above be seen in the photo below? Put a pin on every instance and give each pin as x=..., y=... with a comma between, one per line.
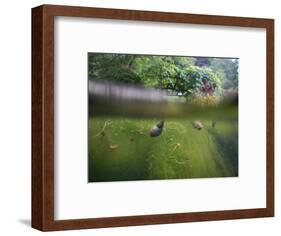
x=190, y=80
x=116, y=67
x=228, y=70
x=179, y=75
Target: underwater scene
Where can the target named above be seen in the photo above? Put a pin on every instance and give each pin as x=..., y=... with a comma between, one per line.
x=155, y=117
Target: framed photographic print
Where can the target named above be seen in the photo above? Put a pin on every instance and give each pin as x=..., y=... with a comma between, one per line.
x=143, y=117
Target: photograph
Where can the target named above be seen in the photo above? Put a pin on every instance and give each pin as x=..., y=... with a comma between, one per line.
x=169, y=112
x=157, y=117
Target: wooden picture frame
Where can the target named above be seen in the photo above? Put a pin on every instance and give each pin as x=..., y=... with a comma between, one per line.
x=43, y=117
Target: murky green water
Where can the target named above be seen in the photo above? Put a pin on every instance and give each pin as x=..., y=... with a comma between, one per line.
x=122, y=149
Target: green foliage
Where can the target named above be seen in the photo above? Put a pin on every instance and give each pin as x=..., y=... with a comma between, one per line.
x=159, y=72
x=181, y=76
x=117, y=67
x=228, y=71
x=189, y=81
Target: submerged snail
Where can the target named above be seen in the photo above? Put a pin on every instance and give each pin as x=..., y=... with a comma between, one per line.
x=157, y=129
x=197, y=125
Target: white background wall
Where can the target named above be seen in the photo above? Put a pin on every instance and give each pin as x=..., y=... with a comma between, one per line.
x=15, y=115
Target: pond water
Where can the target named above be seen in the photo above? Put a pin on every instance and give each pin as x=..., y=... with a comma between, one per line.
x=121, y=149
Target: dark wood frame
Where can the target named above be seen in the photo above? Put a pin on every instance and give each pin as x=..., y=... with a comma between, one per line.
x=43, y=117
